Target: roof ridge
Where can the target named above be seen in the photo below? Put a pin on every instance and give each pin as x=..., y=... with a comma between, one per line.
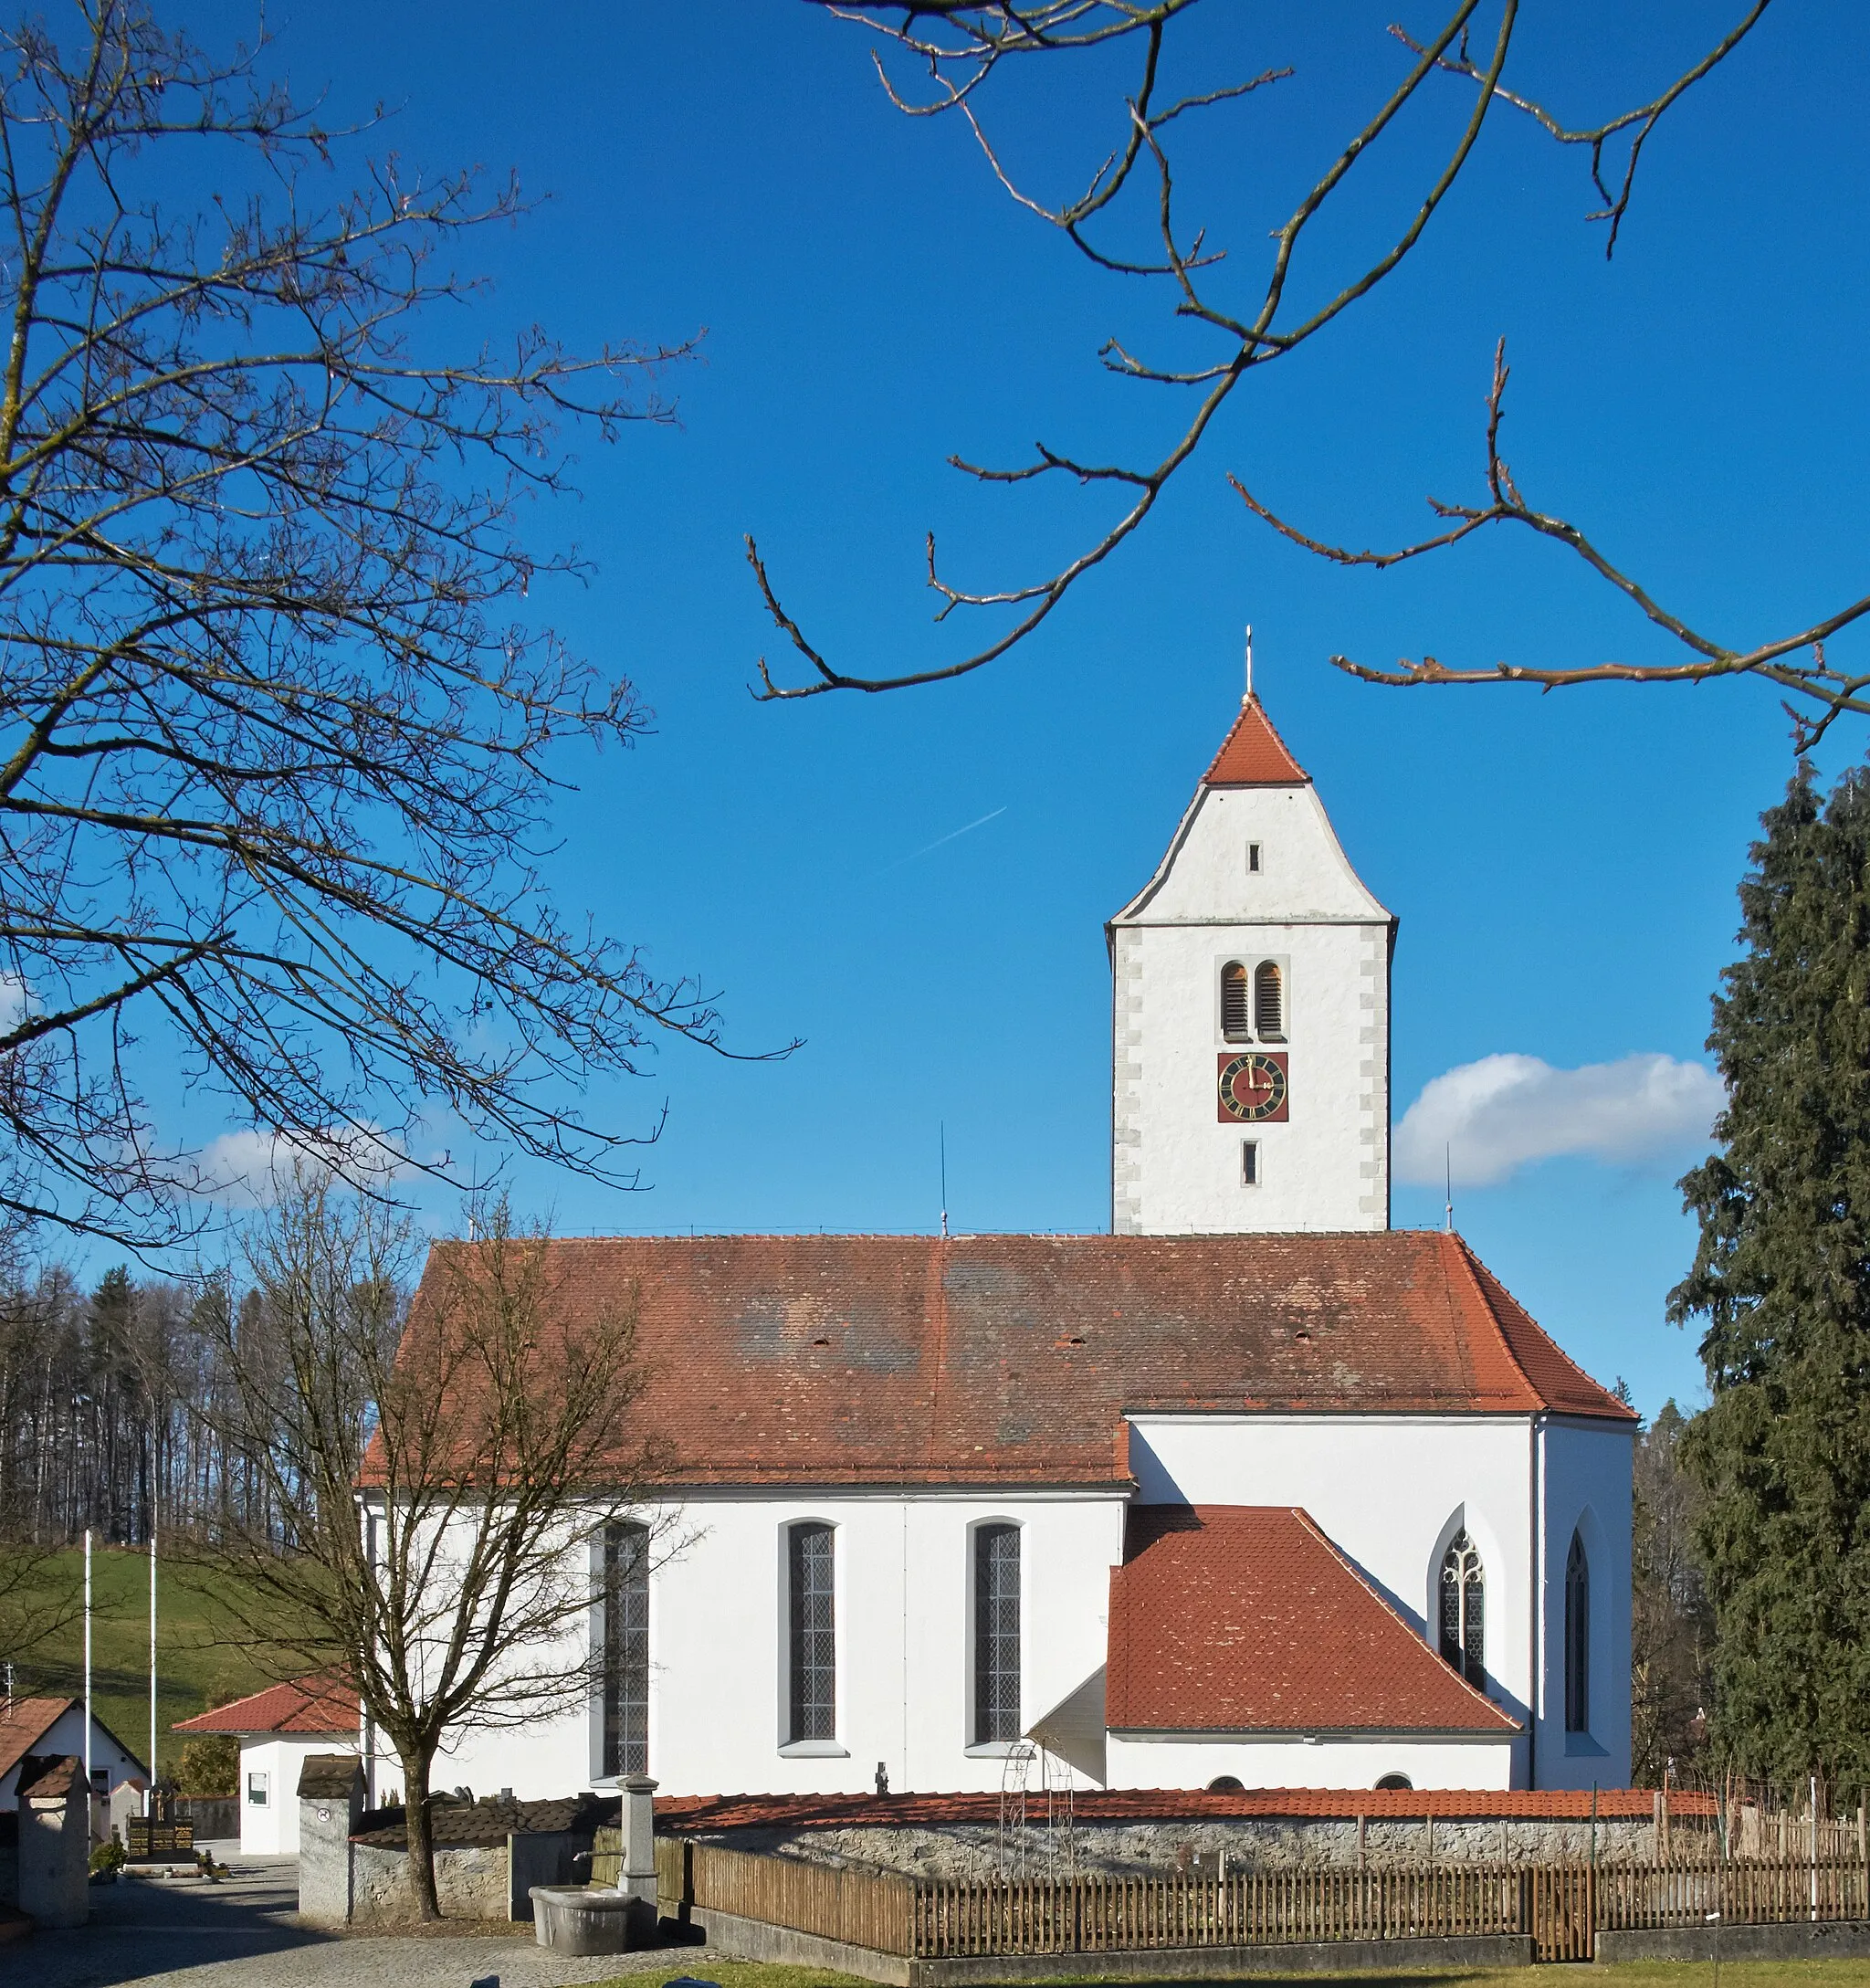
x=1396, y=1615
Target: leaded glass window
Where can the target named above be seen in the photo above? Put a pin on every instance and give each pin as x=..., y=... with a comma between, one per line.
x=814, y=1632
x=996, y=1633
x=1463, y=1610
x=627, y=1650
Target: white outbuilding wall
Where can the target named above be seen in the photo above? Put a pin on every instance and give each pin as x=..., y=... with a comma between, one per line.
x=270, y=1764
x=1176, y=1167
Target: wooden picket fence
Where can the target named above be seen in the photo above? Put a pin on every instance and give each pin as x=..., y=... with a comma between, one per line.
x=1562, y=1906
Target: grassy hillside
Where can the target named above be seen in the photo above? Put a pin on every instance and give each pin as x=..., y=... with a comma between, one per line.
x=200, y=1655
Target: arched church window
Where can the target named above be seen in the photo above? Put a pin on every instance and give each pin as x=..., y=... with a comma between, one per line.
x=1577, y=1638
x=1268, y=1002
x=1226, y=1784
x=810, y=1583
x=1234, y=1021
x=627, y=1650
x=1463, y=1610
x=996, y=1634
x=1395, y=1783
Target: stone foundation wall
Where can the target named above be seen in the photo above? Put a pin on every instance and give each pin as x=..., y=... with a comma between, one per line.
x=470, y=1882
x=971, y=1853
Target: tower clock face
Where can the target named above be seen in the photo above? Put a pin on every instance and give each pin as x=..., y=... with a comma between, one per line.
x=1251, y=1087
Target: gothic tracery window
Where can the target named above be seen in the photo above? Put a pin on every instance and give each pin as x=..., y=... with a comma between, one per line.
x=1463, y=1610
x=1577, y=1638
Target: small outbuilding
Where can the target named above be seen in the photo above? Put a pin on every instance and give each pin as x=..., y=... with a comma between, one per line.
x=55, y=1726
x=277, y=1729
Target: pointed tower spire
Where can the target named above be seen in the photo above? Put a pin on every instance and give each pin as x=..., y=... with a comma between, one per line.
x=1254, y=755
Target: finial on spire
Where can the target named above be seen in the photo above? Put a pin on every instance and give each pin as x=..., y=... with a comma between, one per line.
x=1249, y=662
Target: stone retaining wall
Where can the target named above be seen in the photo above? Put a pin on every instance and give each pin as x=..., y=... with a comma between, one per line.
x=969, y=1852
x=471, y=1882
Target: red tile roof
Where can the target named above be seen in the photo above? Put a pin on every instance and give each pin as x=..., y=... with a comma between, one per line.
x=700, y=1811
x=26, y=1721
x=1254, y=755
x=1013, y=1359
x=314, y=1704
x=1232, y=1618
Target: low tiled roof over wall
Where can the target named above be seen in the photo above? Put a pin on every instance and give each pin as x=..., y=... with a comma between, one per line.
x=1247, y=1619
x=489, y=1820
x=893, y=1360
x=689, y=1814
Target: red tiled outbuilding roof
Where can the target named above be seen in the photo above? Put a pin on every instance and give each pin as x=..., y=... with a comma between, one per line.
x=1231, y=1618
x=25, y=1722
x=322, y=1703
x=694, y=1813
x=896, y=1360
x=1254, y=755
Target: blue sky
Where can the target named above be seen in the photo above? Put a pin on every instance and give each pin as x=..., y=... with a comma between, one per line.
x=1563, y=866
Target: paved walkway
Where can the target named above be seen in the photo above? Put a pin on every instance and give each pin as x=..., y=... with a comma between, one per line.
x=240, y=1933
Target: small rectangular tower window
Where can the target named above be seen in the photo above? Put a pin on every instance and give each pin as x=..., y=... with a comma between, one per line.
x=1249, y=1162
x=1253, y=857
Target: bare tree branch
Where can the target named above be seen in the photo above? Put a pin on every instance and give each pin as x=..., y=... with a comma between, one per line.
x=960, y=49
x=279, y=727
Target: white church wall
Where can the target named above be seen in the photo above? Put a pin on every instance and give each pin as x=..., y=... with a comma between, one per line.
x=1299, y=1761
x=1177, y=1166
x=1389, y=1491
x=903, y=1584
x=1587, y=1490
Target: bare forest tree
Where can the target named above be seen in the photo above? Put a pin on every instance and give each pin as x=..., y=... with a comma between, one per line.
x=276, y=725
x=942, y=57
x=491, y=1448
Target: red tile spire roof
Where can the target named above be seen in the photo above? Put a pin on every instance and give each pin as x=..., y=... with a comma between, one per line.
x=1246, y=1618
x=1254, y=755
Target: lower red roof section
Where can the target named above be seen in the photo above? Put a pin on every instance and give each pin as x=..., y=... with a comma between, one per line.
x=700, y=1811
x=1246, y=1618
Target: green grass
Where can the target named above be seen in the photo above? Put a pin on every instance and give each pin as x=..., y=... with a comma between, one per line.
x=1622, y=1974
x=200, y=1654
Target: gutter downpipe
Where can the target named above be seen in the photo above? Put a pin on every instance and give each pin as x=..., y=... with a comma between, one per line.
x=1536, y=1508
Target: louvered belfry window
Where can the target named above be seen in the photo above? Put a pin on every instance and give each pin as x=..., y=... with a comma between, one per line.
x=1463, y=1610
x=1577, y=1638
x=1268, y=1002
x=813, y=1637
x=996, y=1633
x=627, y=1650
x=1234, y=1022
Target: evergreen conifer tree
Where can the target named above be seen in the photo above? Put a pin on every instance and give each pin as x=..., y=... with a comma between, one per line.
x=1781, y=1277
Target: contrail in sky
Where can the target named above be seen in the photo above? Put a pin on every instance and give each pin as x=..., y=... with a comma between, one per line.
x=952, y=834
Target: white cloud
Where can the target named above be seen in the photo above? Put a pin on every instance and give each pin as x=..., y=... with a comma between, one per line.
x=247, y=1169
x=1493, y=1117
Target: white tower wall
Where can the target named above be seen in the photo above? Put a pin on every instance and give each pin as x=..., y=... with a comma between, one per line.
x=1176, y=1166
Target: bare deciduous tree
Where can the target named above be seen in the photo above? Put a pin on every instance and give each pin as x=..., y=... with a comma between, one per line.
x=1277, y=305
x=277, y=726
x=436, y=1480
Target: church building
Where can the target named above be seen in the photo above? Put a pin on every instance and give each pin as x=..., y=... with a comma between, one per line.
x=1253, y=1489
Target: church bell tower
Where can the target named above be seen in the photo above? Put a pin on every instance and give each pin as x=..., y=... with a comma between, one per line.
x=1250, y=1018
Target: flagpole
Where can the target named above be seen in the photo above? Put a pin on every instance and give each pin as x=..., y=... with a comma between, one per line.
x=149, y=1798
x=88, y=1682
